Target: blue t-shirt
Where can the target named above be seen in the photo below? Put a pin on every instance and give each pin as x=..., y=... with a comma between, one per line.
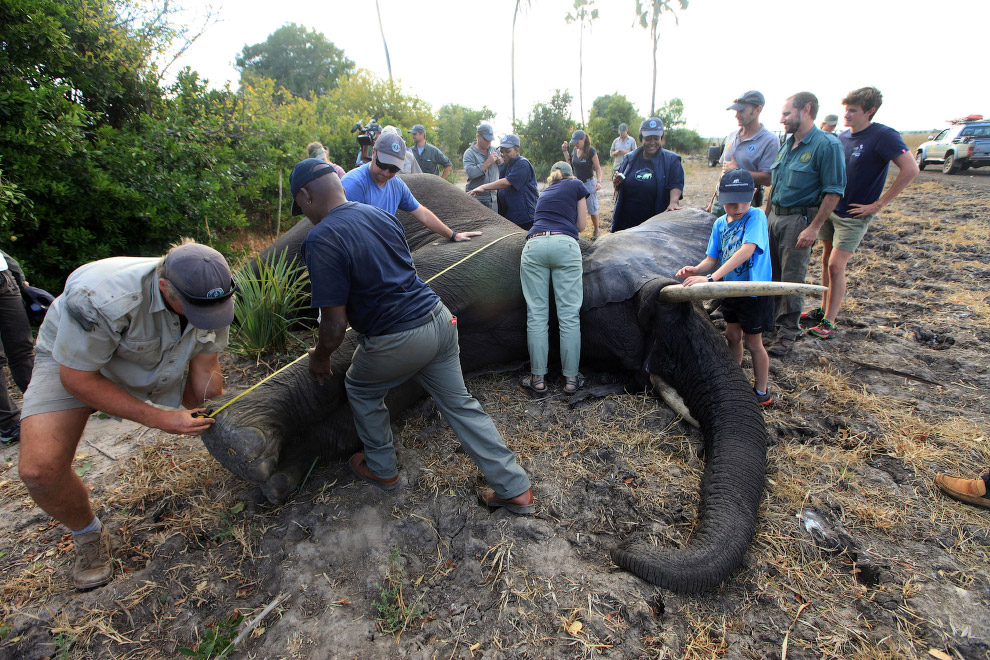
x=360, y=187
x=727, y=237
x=868, y=155
x=358, y=256
x=556, y=209
x=518, y=202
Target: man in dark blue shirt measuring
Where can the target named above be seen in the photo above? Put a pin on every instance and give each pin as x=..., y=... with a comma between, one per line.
x=362, y=272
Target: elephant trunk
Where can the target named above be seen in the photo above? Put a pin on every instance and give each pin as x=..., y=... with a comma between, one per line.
x=688, y=352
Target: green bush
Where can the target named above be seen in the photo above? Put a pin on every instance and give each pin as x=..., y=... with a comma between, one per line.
x=266, y=305
x=684, y=141
x=548, y=125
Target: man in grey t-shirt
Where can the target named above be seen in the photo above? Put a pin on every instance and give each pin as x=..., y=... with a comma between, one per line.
x=621, y=146
x=481, y=163
x=752, y=148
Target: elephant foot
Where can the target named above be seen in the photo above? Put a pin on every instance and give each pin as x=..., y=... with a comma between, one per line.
x=249, y=452
x=283, y=483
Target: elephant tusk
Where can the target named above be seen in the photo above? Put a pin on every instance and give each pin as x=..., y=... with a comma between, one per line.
x=709, y=290
x=672, y=399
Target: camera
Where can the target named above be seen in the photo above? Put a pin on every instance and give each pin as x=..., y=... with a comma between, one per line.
x=366, y=136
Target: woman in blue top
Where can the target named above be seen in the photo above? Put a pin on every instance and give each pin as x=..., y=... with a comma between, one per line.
x=552, y=253
x=584, y=162
x=649, y=181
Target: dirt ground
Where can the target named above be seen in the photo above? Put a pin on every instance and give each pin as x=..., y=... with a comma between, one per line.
x=860, y=426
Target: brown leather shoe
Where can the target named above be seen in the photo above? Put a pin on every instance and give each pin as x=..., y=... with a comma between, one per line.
x=521, y=505
x=92, y=567
x=363, y=472
x=970, y=491
x=781, y=347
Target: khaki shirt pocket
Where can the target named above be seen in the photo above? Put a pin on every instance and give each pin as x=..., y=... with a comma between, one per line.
x=140, y=351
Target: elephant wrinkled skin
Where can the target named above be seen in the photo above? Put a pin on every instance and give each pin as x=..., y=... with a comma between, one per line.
x=271, y=435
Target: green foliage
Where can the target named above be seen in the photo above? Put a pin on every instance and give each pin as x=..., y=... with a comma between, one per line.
x=671, y=114
x=300, y=60
x=266, y=304
x=216, y=641
x=583, y=13
x=549, y=124
x=394, y=614
x=607, y=112
x=63, y=646
x=684, y=141
x=457, y=129
x=5, y=629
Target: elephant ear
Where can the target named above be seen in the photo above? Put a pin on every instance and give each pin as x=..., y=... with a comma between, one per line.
x=618, y=265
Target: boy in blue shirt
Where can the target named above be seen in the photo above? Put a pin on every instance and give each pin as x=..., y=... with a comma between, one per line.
x=738, y=252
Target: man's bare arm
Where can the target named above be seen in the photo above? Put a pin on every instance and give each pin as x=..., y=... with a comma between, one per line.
x=429, y=219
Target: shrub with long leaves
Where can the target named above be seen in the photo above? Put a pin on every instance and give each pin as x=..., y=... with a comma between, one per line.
x=267, y=303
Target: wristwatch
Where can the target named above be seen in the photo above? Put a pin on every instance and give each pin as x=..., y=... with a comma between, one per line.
x=710, y=277
x=453, y=237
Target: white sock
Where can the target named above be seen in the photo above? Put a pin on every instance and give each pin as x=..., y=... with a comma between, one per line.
x=94, y=526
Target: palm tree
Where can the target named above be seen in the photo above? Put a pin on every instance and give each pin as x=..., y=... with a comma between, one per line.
x=649, y=13
x=582, y=13
x=515, y=14
x=388, y=62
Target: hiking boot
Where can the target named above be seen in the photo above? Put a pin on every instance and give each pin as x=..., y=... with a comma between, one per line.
x=964, y=490
x=823, y=330
x=92, y=568
x=521, y=505
x=361, y=470
x=763, y=399
x=814, y=316
x=781, y=347
x=11, y=435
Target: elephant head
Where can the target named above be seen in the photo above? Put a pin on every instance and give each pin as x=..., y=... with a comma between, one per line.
x=271, y=435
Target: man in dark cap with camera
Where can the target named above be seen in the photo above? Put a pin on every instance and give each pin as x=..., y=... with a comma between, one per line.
x=375, y=184
x=125, y=331
x=363, y=276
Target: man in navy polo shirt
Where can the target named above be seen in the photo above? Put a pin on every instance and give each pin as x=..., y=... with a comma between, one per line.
x=375, y=183
x=516, y=186
x=869, y=149
x=362, y=273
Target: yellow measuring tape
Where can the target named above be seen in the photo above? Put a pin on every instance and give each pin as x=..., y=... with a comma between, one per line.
x=270, y=376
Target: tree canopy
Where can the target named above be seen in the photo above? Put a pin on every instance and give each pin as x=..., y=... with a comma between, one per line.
x=548, y=125
x=300, y=60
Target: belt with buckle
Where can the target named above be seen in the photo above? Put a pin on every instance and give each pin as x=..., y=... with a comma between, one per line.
x=416, y=323
x=785, y=210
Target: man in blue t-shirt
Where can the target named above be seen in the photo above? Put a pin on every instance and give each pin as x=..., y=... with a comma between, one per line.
x=361, y=271
x=869, y=149
x=375, y=184
x=516, y=184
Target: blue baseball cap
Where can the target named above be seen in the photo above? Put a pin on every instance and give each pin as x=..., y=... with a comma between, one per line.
x=510, y=140
x=736, y=186
x=485, y=131
x=304, y=172
x=418, y=128
x=752, y=97
x=577, y=136
x=651, y=126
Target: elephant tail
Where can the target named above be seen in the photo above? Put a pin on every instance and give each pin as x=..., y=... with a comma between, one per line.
x=688, y=352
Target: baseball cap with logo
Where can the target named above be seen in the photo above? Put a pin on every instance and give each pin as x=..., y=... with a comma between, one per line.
x=418, y=128
x=485, y=131
x=509, y=140
x=736, y=186
x=391, y=150
x=304, y=172
x=577, y=136
x=752, y=97
x=202, y=278
x=651, y=126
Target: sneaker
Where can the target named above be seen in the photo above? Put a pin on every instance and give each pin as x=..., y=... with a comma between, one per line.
x=11, y=435
x=816, y=315
x=763, y=399
x=92, y=568
x=823, y=330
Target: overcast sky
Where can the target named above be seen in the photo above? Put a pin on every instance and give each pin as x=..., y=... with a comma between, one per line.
x=924, y=56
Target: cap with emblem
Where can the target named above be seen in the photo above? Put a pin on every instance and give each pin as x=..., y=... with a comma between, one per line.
x=509, y=140
x=391, y=150
x=486, y=132
x=202, y=278
x=736, y=186
x=651, y=126
x=752, y=97
x=304, y=172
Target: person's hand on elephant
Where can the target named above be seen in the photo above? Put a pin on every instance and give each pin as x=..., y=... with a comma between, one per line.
x=476, y=191
x=319, y=368
x=465, y=235
x=674, y=206
x=183, y=422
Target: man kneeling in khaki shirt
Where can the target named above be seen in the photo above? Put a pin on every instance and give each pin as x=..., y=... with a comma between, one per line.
x=121, y=334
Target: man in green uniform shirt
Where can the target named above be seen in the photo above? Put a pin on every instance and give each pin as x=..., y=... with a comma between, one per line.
x=430, y=159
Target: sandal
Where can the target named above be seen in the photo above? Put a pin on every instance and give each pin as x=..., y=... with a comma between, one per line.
x=573, y=383
x=534, y=383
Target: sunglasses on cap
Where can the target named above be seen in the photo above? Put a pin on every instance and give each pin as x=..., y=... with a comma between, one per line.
x=390, y=168
x=205, y=301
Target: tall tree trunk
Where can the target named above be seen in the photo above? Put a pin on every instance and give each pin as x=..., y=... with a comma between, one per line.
x=653, y=96
x=514, y=15
x=388, y=62
x=581, y=73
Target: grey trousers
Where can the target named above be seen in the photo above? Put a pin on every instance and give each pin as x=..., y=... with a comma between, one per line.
x=17, y=350
x=790, y=264
x=428, y=354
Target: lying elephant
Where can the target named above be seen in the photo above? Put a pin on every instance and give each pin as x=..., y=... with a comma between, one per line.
x=271, y=435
